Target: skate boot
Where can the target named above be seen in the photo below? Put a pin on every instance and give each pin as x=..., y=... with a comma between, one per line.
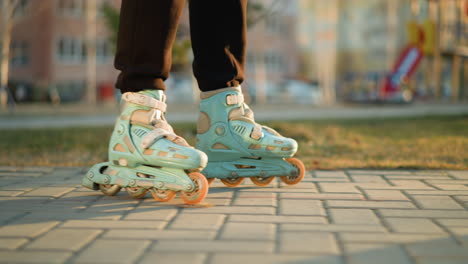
x=145, y=155
x=237, y=147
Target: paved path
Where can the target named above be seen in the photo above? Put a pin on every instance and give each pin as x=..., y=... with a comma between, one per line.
x=189, y=113
x=332, y=217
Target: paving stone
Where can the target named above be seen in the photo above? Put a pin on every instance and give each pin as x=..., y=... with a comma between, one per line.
x=113, y=251
x=386, y=195
x=159, y=214
x=173, y=258
x=229, y=258
x=442, y=260
x=424, y=213
x=121, y=224
x=256, y=200
x=437, y=192
x=411, y=225
x=308, y=242
x=198, y=221
x=255, y=210
x=217, y=246
x=437, y=250
x=330, y=174
x=33, y=257
x=10, y=193
x=112, y=206
x=370, y=204
x=385, y=237
x=383, y=255
x=459, y=174
x=160, y=234
x=12, y=243
x=380, y=172
x=462, y=198
x=353, y=216
x=338, y=187
x=322, y=196
x=248, y=231
x=447, y=181
x=27, y=229
x=286, y=189
x=60, y=216
x=451, y=187
x=436, y=202
x=454, y=222
x=368, y=178
x=417, y=177
x=64, y=239
x=6, y=216
x=276, y=219
x=301, y=207
x=411, y=184
x=351, y=248
x=333, y=227
x=21, y=174
x=49, y=191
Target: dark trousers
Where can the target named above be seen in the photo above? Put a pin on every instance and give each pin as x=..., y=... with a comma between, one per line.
x=148, y=30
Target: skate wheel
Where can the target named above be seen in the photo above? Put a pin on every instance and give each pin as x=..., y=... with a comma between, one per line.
x=136, y=192
x=297, y=177
x=232, y=182
x=210, y=180
x=109, y=189
x=162, y=195
x=200, y=191
x=262, y=181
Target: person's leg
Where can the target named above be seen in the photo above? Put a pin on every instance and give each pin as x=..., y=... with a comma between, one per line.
x=218, y=32
x=146, y=33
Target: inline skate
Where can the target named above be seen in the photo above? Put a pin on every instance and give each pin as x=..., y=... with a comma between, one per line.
x=146, y=155
x=238, y=147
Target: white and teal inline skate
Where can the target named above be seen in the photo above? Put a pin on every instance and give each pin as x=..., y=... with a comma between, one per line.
x=146, y=155
x=237, y=147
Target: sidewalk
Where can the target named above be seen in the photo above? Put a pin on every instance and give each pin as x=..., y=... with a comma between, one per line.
x=348, y=216
x=83, y=115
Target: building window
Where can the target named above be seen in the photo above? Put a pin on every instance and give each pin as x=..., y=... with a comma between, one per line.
x=71, y=50
x=19, y=53
x=274, y=62
x=103, y=51
x=71, y=7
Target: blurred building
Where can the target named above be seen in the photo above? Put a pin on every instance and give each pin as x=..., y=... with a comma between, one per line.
x=48, y=54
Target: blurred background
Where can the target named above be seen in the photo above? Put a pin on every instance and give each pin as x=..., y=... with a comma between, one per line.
x=299, y=52
x=358, y=83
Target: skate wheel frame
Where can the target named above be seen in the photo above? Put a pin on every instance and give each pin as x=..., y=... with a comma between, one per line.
x=294, y=179
x=210, y=180
x=262, y=181
x=162, y=195
x=200, y=191
x=232, y=182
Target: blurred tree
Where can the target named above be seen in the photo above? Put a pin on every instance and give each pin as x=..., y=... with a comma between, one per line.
x=7, y=9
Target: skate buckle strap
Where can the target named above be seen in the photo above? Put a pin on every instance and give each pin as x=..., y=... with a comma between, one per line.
x=257, y=132
x=234, y=99
x=154, y=136
x=141, y=99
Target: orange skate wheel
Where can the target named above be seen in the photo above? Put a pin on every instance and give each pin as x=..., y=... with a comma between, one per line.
x=262, y=181
x=232, y=182
x=200, y=191
x=210, y=180
x=162, y=195
x=297, y=177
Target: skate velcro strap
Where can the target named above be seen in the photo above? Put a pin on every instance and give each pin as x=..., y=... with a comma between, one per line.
x=256, y=132
x=154, y=136
x=234, y=99
x=141, y=99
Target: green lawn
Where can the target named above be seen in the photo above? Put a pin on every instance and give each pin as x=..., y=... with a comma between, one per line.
x=419, y=143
